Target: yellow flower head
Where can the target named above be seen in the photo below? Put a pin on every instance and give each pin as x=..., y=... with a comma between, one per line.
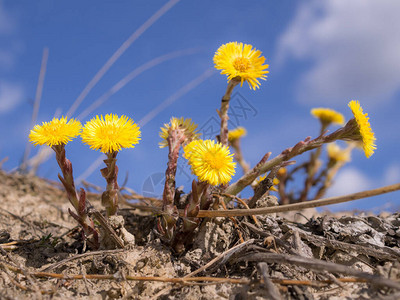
x=281, y=172
x=328, y=116
x=186, y=125
x=238, y=60
x=337, y=154
x=365, y=133
x=211, y=162
x=111, y=133
x=55, y=132
x=236, y=133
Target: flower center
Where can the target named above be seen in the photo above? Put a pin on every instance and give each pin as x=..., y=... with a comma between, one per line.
x=241, y=64
x=107, y=132
x=214, y=160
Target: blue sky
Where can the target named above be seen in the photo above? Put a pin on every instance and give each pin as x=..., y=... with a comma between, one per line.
x=321, y=54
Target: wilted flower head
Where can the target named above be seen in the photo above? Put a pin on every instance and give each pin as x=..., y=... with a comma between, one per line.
x=187, y=127
x=238, y=60
x=111, y=133
x=337, y=154
x=328, y=116
x=360, y=129
x=211, y=162
x=236, y=133
x=55, y=132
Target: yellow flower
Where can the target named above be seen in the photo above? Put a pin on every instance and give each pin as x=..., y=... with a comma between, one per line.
x=236, y=133
x=337, y=154
x=186, y=125
x=110, y=133
x=188, y=149
x=55, y=132
x=366, y=135
x=238, y=60
x=211, y=162
x=327, y=115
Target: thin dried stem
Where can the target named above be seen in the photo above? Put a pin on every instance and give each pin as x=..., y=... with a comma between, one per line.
x=282, y=208
x=225, y=256
x=244, y=204
x=183, y=280
x=36, y=104
x=132, y=75
x=298, y=206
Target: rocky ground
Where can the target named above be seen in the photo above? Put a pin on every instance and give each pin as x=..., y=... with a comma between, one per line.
x=322, y=257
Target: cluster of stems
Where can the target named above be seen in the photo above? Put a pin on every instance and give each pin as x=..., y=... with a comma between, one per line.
x=78, y=201
x=180, y=234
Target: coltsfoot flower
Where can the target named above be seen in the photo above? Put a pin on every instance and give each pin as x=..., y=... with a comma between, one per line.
x=328, y=116
x=211, y=162
x=111, y=133
x=236, y=133
x=237, y=60
x=337, y=154
x=364, y=132
x=186, y=125
x=55, y=132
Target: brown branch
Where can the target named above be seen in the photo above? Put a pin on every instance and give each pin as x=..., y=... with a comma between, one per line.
x=298, y=206
x=78, y=256
x=183, y=280
x=225, y=256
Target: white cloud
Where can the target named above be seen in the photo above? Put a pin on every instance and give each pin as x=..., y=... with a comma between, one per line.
x=353, y=47
x=349, y=180
x=392, y=174
x=11, y=95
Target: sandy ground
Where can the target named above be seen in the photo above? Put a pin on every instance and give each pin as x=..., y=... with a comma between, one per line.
x=327, y=257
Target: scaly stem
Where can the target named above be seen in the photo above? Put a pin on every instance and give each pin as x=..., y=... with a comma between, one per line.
x=109, y=198
x=223, y=113
x=239, y=156
x=167, y=222
x=312, y=167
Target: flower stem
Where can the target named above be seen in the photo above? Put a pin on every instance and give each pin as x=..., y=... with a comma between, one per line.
x=109, y=198
x=167, y=222
x=223, y=113
x=239, y=156
x=312, y=167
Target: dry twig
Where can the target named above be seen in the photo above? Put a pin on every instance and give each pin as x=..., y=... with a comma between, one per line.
x=224, y=256
x=298, y=206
